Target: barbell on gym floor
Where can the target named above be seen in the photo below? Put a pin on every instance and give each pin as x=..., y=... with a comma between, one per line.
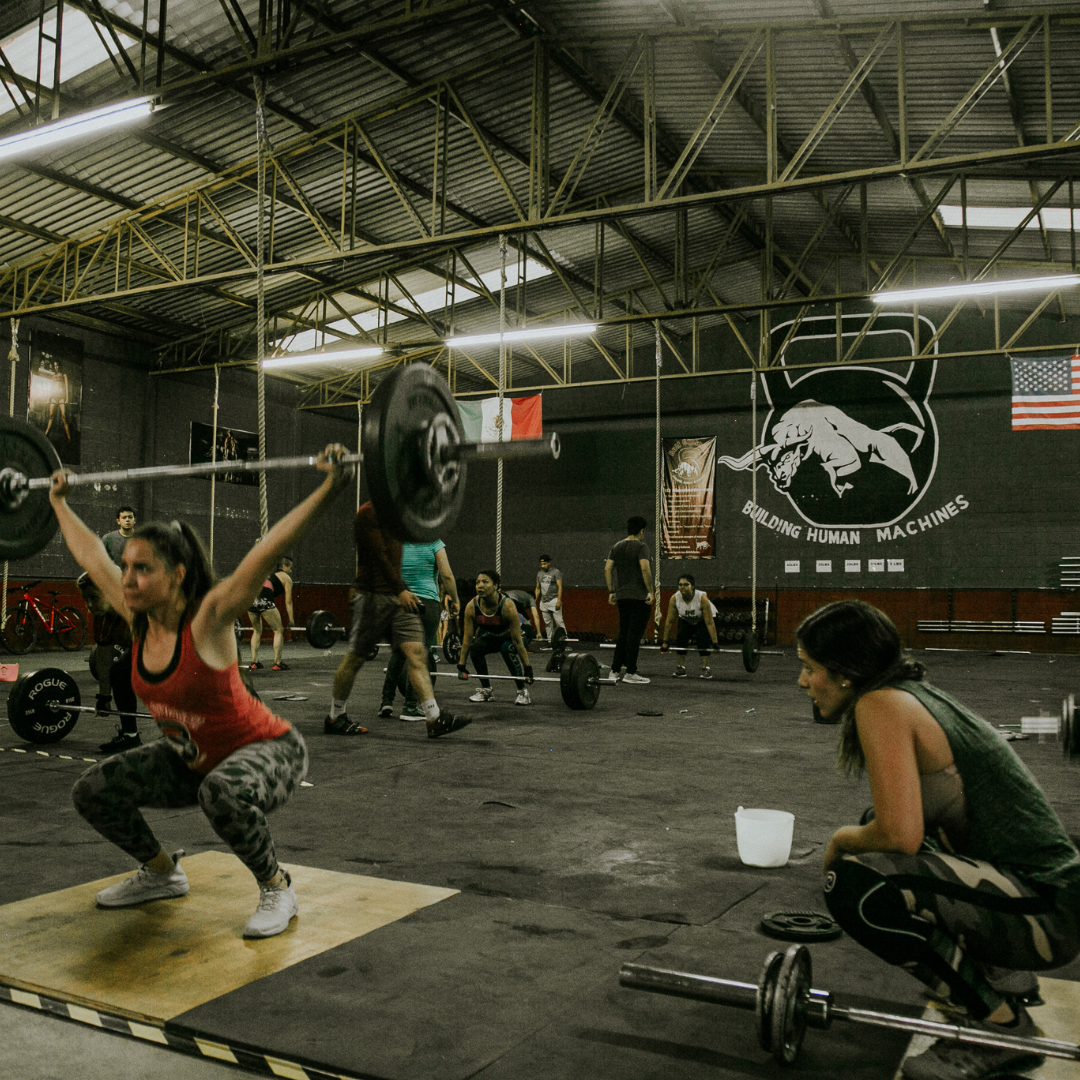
x=751, y=654
x=412, y=449
x=579, y=680
x=785, y=1005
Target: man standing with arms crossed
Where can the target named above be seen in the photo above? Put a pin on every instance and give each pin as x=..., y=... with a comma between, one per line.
x=628, y=565
x=549, y=596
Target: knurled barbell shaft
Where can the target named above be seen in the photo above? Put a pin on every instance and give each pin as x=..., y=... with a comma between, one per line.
x=546, y=447
x=59, y=706
x=822, y=1010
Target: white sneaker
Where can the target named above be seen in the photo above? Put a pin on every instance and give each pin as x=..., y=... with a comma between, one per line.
x=523, y=697
x=277, y=905
x=639, y=680
x=615, y=675
x=483, y=694
x=679, y=672
x=705, y=673
x=145, y=885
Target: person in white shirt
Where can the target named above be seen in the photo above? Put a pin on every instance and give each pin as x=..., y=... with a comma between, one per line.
x=693, y=611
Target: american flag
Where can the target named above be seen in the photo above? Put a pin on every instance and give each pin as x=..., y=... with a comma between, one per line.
x=1046, y=393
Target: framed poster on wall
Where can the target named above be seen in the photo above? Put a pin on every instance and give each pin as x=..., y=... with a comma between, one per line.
x=55, y=393
x=232, y=445
x=687, y=500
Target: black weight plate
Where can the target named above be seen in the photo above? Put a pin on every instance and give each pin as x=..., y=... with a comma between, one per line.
x=763, y=999
x=451, y=647
x=789, y=1004
x=800, y=926
x=28, y=705
x=27, y=528
x=320, y=630
x=409, y=503
x=750, y=655
x=578, y=680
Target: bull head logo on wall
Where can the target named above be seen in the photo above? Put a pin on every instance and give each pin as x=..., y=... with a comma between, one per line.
x=849, y=447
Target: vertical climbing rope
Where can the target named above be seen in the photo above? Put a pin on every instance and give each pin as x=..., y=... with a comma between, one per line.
x=659, y=527
x=213, y=458
x=260, y=289
x=13, y=356
x=502, y=384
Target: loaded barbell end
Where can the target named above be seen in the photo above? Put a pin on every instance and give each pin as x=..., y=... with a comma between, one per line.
x=14, y=488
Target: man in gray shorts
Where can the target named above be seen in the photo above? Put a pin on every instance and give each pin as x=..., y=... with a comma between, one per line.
x=382, y=608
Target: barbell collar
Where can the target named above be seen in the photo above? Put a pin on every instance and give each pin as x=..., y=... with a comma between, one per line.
x=548, y=446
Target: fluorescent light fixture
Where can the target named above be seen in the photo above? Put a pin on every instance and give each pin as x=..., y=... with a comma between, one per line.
x=340, y=357
x=977, y=288
x=533, y=333
x=75, y=127
x=1008, y=217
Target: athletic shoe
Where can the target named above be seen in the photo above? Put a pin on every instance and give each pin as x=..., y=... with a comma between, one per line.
x=386, y=710
x=638, y=680
x=411, y=712
x=483, y=694
x=705, y=674
x=614, y=675
x=145, y=885
x=280, y=667
x=523, y=697
x=102, y=705
x=446, y=723
x=342, y=726
x=277, y=905
x=120, y=742
x=947, y=1059
x=255, y=666
x=679, y=673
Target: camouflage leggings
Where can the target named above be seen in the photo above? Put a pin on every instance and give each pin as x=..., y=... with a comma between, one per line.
x=948, y=919
x=235, y=796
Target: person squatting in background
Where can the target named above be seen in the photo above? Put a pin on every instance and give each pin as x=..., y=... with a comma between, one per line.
x=425, y=569
x=493, y=624
x=694, y=612
x=279, y=583
x=222, y=748
x=962, y=874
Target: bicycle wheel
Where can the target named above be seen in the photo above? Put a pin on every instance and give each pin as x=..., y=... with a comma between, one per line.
x=70, y=628
x=20, y=633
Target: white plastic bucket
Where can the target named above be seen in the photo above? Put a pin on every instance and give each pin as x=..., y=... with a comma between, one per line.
x=764, y=836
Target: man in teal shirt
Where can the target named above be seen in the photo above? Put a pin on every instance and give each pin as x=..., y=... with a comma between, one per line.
x=423, y=568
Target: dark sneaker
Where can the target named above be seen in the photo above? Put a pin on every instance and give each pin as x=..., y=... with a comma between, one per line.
x=120, y=742
x=411, y=712
x=947, y=1059
x=280, y=667
x=342, y=726
x=386, y=710
x=446, y=723
x=679, y=673
x=254, y=667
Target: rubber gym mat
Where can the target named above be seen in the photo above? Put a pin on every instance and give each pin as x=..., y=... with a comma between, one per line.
x=157, y=960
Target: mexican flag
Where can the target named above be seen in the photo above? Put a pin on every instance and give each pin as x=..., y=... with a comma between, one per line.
x=521, y=419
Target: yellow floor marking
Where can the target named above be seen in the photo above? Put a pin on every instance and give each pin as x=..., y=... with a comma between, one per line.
x=216, y=1050
x=20, y=997
x=288, y=1069
x=84, y=1016
x=157, y=960
x=1057, y=1019
x=151, y=1034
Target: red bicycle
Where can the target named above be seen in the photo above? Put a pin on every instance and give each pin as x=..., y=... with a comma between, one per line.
x=66, y=624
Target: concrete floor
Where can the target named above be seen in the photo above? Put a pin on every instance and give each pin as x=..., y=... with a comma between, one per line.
x=578, y=841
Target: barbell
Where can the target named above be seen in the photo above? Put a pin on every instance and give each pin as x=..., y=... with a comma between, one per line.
x=579, y=680
x=1064, y=727
x=785, y=1005
x=412, y=446
x=751, y=654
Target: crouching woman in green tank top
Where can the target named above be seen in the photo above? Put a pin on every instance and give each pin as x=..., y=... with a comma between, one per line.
x=963, y=874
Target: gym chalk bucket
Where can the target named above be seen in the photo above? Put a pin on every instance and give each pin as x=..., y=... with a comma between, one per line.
x=764, y=836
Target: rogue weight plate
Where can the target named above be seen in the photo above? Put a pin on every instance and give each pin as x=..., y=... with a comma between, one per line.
x=411, y=418
x=800, y=926
x=789, y=1004
x=27, y=521
x=29, y=713
x=1070, y=735
x=751, y=657
x=320, y=630
x=578, y=680
x=763, y=999
x=451, y=647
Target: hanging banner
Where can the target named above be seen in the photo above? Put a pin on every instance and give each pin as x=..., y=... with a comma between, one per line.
x=688, y=530
x=232, y=445
x=55, y=399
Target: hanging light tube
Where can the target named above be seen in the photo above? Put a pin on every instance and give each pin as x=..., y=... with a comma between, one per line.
x=976, y=288
x=74, y=127
x=323, y=358
x=533, y=333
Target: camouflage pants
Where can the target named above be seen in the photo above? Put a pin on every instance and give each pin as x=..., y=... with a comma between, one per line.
x=947, y=919
x=236, y=796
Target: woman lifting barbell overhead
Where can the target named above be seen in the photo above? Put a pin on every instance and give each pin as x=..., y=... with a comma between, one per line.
x=964, y=874
x=222, y=749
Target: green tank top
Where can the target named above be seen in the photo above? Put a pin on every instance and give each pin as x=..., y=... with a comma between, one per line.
x=1013, y=825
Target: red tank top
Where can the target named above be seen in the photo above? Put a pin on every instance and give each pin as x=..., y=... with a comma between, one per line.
x=206, y=714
